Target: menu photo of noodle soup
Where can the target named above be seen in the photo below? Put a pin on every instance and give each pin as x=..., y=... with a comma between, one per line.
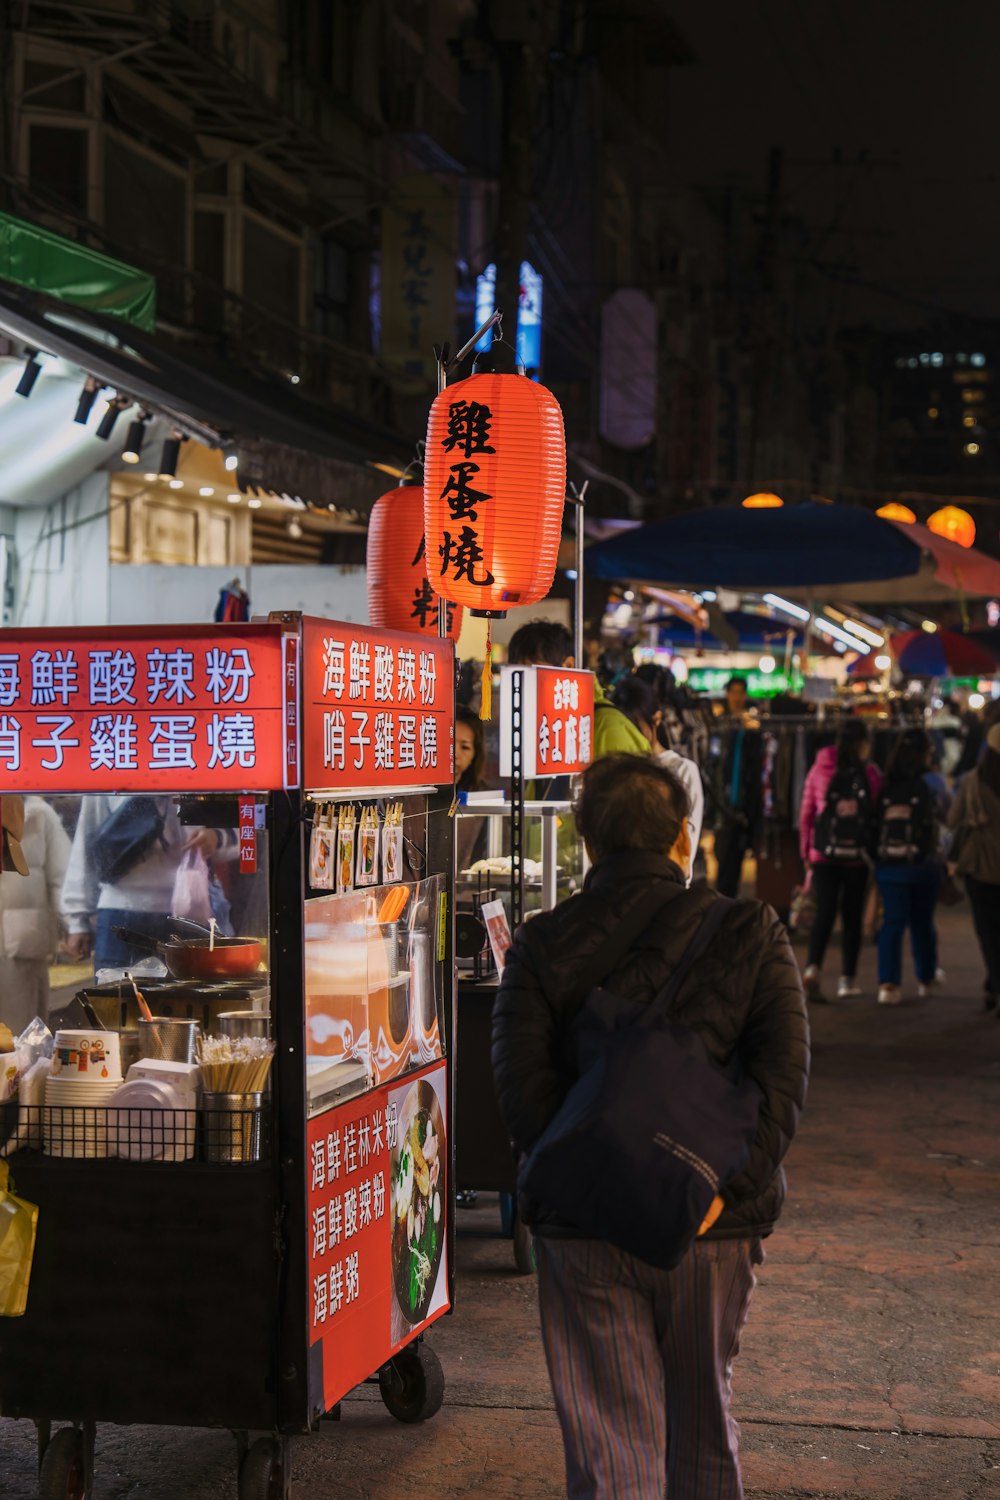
x=418, y=1197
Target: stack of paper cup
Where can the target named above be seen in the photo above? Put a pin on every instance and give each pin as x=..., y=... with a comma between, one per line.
x=86, y=1070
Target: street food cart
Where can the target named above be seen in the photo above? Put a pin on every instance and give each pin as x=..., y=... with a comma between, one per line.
x=246, y=1268
x=546, y=732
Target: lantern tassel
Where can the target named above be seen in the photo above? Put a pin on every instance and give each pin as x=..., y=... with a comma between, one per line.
x=486, y=697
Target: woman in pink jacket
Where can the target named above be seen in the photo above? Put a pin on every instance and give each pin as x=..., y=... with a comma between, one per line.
x=836, y=831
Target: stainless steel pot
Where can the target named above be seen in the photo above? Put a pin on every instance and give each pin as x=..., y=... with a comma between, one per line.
x=237, y=1023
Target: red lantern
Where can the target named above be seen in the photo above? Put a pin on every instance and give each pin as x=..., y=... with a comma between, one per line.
x=400, y=596
x=494, y=489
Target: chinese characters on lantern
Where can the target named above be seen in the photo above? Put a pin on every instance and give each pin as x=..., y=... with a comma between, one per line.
x=379, y=708
x=424, y=612
x=461, y=550
x=85, y=713
x=557, y=718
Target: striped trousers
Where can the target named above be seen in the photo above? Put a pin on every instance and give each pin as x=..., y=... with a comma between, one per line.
x=641, y=1363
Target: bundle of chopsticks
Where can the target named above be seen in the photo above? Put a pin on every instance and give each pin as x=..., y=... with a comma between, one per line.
x=237, y=1065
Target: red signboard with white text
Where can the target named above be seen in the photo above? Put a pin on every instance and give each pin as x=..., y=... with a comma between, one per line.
x=171, y=708
x=377, y=1230
x=557, y=720
x=378, y=708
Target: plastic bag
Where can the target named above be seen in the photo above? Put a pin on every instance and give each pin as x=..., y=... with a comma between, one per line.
x=31, y=1098
x=192, y=897
x=37, y=1040
x=18, y=1227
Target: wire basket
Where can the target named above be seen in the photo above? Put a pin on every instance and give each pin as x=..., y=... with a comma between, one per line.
x=229, y=1135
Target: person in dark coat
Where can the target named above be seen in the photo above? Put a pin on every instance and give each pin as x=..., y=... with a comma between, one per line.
x=740, y=795
x=640, y=1358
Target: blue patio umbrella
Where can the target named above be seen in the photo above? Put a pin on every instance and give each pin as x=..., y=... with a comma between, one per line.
x=796, y=550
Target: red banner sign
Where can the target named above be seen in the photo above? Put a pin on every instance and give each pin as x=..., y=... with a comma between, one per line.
x=378, y=1260
x=557, y=720
x=173, y=709
x=248, y=836
x=379, y=708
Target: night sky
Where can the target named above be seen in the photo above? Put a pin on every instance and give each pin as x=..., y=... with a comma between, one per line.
x=915, y=85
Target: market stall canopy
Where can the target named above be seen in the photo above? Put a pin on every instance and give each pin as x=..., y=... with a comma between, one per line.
x=797, y=551
x=749, y=630
x=943, y=653
x=286, y=441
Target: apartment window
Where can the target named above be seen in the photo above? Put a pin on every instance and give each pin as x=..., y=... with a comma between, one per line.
x=212, y=179
x=46, y=86
x=57, y=163
x=271, y=269
x=145, y=204
x=210, y=265
x=333, y=290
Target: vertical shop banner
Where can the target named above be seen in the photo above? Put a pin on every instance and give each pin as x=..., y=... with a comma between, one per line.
x=248, y=836
x=557, y=720
x=377, y=1206
x=379, y=708
x=417, y=278
x=173, y=708
x=290, y=668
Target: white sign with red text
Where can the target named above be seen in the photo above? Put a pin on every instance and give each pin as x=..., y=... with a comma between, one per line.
x=557, y=720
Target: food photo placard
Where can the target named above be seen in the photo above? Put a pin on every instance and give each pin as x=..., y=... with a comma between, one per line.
x=377, y=1230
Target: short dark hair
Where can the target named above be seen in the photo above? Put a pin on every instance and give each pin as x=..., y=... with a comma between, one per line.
x=544, y=643
x=908, y=760
x=852, y=734
x=737, y=682
x=628, y=802
x=637, y=700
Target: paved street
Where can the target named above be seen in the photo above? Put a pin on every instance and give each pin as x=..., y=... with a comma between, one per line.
x=871, y=1362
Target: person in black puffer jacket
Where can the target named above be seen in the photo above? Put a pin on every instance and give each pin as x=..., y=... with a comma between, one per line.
x=640, y=1358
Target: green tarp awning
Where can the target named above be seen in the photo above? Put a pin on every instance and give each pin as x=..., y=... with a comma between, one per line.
x=45, y=262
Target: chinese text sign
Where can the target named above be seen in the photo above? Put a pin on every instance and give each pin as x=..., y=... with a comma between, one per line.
x=145, y=709
x=379, y=707
x=359, y=1243
x=557, y=720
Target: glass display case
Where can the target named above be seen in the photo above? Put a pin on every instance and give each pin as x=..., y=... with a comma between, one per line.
x=374, y=989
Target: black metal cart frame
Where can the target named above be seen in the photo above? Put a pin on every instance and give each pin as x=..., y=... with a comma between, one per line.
x=177, y=1293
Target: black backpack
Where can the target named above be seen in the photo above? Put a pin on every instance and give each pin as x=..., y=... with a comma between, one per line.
x=126, y=836
x=906, y=824
x=844, y=828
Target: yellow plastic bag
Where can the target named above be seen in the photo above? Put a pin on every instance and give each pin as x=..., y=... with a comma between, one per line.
x=18, y=1225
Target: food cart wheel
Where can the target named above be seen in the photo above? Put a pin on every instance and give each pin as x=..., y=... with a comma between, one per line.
x=62, y=1475
x=412, y=1384
x=524, y=1246
x=262, y=1472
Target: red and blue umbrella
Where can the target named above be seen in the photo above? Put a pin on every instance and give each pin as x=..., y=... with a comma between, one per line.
x=945, y=653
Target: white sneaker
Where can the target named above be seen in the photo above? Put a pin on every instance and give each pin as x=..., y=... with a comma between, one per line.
x=888, y=994
x=928, y=988
x=811, y=982
x=847, y=987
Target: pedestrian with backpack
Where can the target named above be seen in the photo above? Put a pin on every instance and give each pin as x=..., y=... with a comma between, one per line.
x=975, y=855
x=836, y=829
x=641, y=1029
x=908, y=865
